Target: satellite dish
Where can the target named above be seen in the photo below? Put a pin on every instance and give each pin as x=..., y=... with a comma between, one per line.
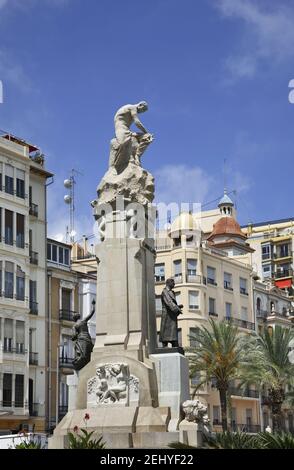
x=67, y=199
x=67, y=183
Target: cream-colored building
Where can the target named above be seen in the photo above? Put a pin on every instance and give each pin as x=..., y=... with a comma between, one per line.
x=23, y=181
x=273, y=257
x=213, y=280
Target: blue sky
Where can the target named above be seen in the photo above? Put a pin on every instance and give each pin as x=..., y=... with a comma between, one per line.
x=214, y=72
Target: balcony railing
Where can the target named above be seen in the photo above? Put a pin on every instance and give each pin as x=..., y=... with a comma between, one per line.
x=33, y=307
x=243, y=291
x=227, y=286
x=241, y=323
x=194, y=278
x=66, y=315
x=33, y=359
x=159, y=279
x=13, y=404
x=211, y=281
x=284, y=273
x=249, y=428
x=243, y=393
x=213, y=314
x=34, y=257
x=178, y=278
x=65, y=361
x=12, y=350
x=34, y=209
x=262, y=314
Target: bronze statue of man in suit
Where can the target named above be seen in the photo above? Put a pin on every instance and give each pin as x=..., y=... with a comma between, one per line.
x=169, y=319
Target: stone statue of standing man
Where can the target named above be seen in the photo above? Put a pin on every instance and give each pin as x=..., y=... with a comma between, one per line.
x=83, y=345
x=169, y=319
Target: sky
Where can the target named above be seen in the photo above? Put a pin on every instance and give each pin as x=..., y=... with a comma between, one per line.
x=215, y=74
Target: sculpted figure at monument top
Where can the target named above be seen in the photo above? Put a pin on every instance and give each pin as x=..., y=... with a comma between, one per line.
x=125, y=176
x=125, y=117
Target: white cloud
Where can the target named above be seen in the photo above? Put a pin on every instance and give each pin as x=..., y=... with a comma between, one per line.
x=13, y=72
x=182, y=184
x=3, y=3
x=268, y=34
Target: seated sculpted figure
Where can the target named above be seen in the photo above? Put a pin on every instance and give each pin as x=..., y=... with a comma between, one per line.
x=127, y=145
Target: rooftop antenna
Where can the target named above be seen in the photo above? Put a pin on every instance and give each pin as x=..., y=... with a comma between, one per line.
x=69, y=199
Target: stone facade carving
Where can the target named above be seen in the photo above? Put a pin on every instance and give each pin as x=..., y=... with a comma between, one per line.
x=112, y=384
x=195, y=411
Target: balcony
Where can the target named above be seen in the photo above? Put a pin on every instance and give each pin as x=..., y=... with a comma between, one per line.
x=18, y=350
x=159, y=279
x=33, y=359
x=284, y=273
x=12, y=404
x=243, y=291
x=249, y=428
x=66, y=315
x=243, y=393
x=227, y=286
x=261, y=314
x=211, y=281
x=34, y=257
x=33, y=308
x=65, y=362
x=178, y=278
x=34, y=209
x=241, y=323
x=213, y=314
x=194, y=278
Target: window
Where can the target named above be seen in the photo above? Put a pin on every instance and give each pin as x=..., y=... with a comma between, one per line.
x=9, y=179
x=1, y=265
x=216, y=414
x=8, y=227
x=66, y=256
x=9, y=284
x=211, y=275
x=233, y=416
x=283, y=251
x=19, y=390
x=20, y=284
x=267, y=271
x=20, y=337
x=20, y=234
x=193, y=332
x=196, y=379
x=248, y=416
x=243, y=286
x=66, y=300
x=211, y=306
x=7, y=389
x=8, y=334
x=160, y=272
x=228, y=281
x=54, y=253
x=266, y=251
x=20, y=183
x=228, y=310
x=1, y=173
x=49, y=250
x=193, y=300
x=244, y=313
x=158, y=305
x=191, y=267
x=178, y=297
x=177, y=269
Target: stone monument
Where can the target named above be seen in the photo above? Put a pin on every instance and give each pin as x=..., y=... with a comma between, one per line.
x=129, y=395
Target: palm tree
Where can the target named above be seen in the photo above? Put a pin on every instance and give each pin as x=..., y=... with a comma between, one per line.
x=267, y=366
x=218, y=355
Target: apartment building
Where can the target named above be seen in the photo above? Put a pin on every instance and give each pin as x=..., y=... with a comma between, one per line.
x=70, y=291
x=273, y=243
x=23, y=181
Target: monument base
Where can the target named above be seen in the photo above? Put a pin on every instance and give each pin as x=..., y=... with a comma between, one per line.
x=172, y=370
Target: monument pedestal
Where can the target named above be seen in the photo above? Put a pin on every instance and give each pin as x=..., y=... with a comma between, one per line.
x=172, y=370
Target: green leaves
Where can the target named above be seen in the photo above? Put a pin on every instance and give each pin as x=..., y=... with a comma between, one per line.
x=84, y=441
